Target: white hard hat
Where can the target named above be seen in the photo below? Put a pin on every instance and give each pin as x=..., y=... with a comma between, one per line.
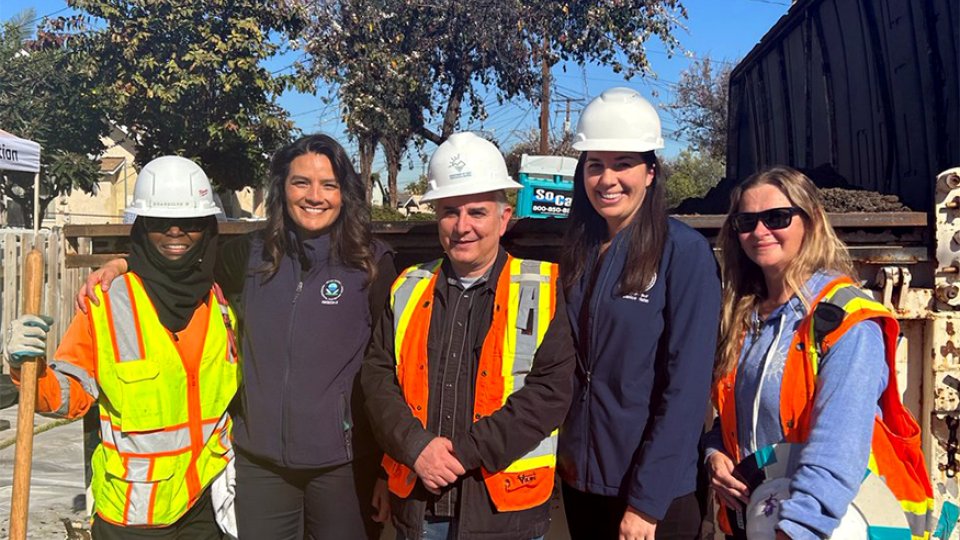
x=172, y=187
x=767, y=473
x=466, y=164
x=619, y=120
x=763, y=513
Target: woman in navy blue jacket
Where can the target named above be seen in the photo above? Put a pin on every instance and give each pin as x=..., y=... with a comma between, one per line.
x=643, y=293
x=306, y=290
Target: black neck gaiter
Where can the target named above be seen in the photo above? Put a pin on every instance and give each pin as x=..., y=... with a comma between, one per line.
x=177, y=287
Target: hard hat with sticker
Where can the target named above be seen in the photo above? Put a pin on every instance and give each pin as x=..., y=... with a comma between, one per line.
x=874, y=511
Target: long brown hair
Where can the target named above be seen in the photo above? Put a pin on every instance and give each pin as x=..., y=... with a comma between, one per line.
x=350, y=237
x=743, y=284
x=587, y=230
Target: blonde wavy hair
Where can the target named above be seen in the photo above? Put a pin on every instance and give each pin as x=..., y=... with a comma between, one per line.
x=743, y=284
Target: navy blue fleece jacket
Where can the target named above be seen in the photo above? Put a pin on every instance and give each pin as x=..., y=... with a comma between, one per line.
x=643, y=375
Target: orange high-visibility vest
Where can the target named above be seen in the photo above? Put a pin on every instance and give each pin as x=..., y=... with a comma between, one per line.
x=523, y=308
x=895, y=454
x=164, y=427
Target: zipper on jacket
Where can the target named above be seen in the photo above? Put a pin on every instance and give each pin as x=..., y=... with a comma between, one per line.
x=599, y=289
x=286, y=371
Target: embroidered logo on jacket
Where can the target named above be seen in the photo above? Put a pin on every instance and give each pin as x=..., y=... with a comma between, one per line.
x=331, y=292
x=642, y=297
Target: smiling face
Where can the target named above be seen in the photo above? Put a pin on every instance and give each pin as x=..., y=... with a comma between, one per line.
x=470, y=228
x=616, y=184
x=173, y=238
x=312, y=194
x=771, y=250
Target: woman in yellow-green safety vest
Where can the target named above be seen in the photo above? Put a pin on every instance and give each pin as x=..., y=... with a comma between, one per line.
x=158, y=356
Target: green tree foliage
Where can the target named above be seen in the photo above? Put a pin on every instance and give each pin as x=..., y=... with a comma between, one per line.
x=187, y=77
x=690, y=174
x=418, y=186
x=358, y=45
x=407, y=66
x=700, y=107
x=47, y=96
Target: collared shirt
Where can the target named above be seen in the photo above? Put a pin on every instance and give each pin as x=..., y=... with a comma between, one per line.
x=453, y=378
x=492, y=443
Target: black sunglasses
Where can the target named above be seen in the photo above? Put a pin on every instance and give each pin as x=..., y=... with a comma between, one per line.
x=773, y=219
x=189, y=225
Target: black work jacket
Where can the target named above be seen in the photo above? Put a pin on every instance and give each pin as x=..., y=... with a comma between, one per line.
x=493, y=442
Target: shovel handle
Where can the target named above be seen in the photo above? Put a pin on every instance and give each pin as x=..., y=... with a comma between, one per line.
x=23, y=456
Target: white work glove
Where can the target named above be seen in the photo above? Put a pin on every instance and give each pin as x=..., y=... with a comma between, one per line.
x=223, y=492
x=26, y=338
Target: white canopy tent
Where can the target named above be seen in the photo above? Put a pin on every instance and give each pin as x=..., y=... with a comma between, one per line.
x=18, y=154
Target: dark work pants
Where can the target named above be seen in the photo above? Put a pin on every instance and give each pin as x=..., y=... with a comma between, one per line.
x=597, y=517
x=279, y=503
x=197, y=524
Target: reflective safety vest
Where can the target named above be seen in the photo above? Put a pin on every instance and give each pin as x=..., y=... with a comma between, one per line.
x=523, y=308
x=895, y=454
x=164, y=428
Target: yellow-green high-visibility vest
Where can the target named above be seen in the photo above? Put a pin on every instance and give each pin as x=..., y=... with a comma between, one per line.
x=164, y=428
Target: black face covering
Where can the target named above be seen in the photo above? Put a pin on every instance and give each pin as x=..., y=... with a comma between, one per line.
x=177, y=287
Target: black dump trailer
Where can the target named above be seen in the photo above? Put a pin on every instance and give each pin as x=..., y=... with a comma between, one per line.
x=862, y=93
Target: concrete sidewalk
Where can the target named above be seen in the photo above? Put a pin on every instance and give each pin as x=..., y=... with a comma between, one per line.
x=56, y=487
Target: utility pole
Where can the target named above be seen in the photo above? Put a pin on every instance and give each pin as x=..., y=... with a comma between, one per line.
x=566, y=118
x=545, y=102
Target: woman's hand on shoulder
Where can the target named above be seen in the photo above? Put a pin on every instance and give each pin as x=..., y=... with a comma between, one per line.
x=102, y=276
x=731, y=491
x=636, y=525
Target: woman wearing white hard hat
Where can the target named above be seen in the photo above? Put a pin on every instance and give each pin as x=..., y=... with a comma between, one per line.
x=158, y=356
x=308, y=288
x=644, y=295
x=806, y=357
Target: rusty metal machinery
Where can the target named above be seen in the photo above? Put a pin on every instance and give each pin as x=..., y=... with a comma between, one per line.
x=940, y=362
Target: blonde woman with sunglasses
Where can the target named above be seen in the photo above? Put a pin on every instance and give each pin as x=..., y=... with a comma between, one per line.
x=804, y=357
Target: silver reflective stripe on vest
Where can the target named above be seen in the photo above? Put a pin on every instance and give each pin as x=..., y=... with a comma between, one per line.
x=918, y=524
x=153, y=442
x=546, y=447
x=138, y=470
x=125, y=329
x=530, y=280
x=845, y=294
x=532, y=284
x=401, y=297
x=138, y=505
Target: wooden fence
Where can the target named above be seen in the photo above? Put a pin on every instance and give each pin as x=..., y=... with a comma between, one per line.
x=59, y=283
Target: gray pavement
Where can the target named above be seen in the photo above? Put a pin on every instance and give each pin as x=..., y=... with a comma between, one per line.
x=57, y=491
x=56, y=487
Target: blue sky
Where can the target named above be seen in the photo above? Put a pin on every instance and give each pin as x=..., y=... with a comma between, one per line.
x=721, y=29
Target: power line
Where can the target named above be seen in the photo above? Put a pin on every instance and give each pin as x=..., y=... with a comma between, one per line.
x=61, y=10
x=773, y=2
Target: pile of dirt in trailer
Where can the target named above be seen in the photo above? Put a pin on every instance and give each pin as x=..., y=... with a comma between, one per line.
x=851, y=200
x=837, y=195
